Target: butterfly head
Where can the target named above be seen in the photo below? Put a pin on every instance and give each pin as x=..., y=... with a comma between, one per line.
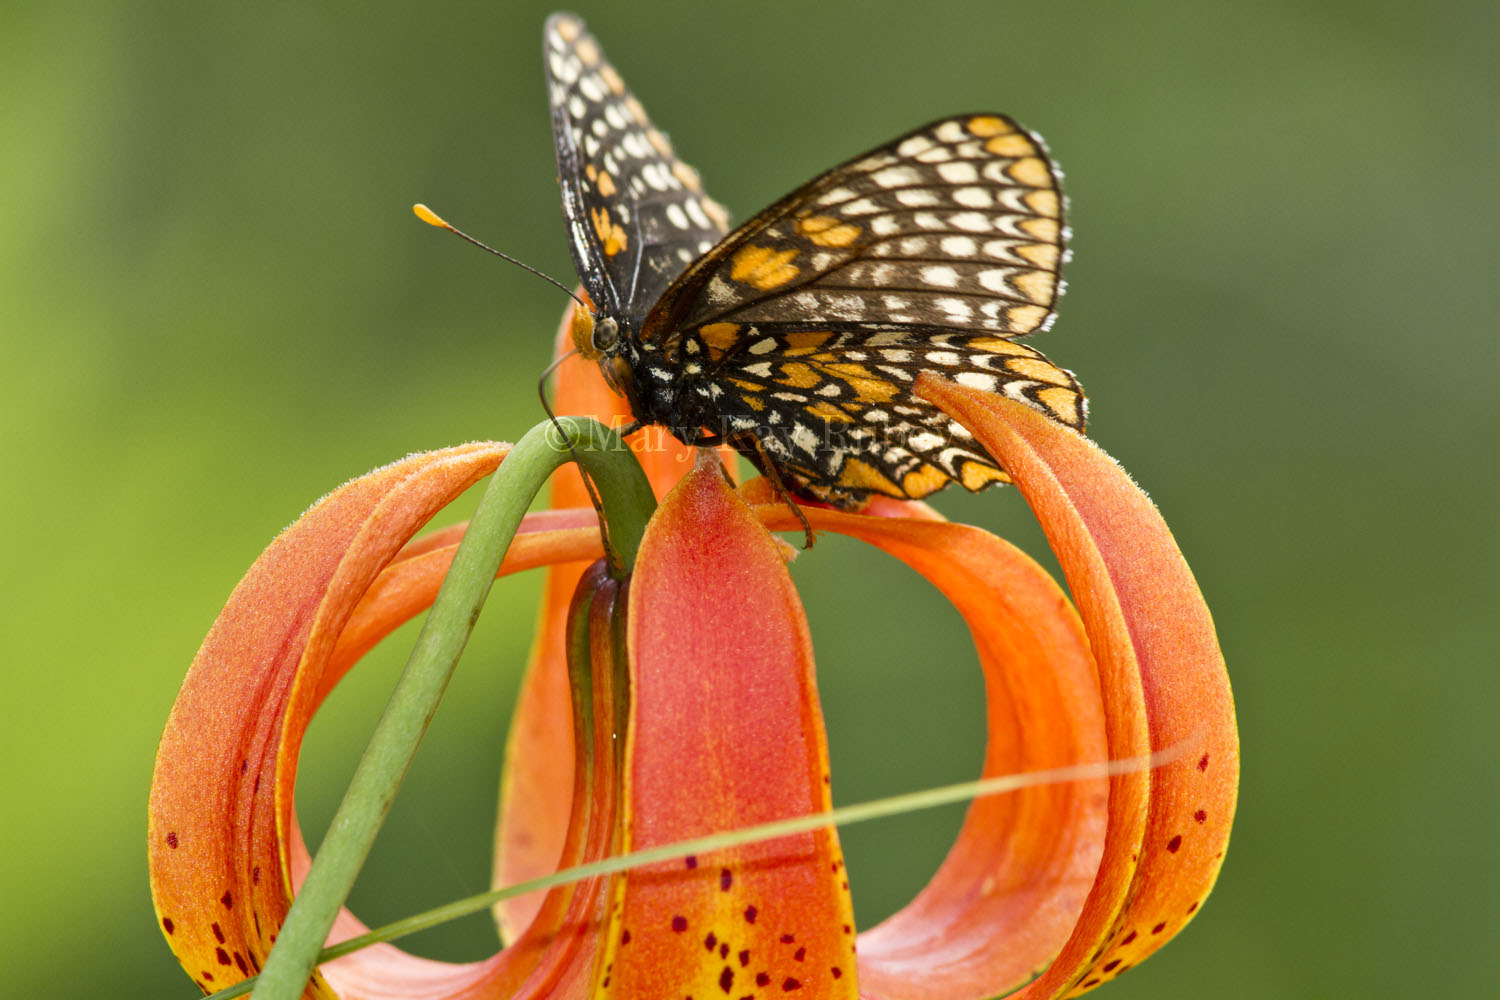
x=599, y=338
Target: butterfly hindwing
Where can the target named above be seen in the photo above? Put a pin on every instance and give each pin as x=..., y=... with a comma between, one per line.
x=834, y=405
x=956, y=225
x=636, y=214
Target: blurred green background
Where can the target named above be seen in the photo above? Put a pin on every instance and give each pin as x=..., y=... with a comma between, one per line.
x=215, y=306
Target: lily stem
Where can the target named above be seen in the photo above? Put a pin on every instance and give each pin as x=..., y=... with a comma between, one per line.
x=628, y=503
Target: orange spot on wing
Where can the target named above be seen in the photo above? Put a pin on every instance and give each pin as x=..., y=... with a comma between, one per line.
x=868, y=387
x=763, y=267
x=985, y=126
x=826, y=231
x=1037, y=286
x=719, y=337
x=1024, y=319
x=1063, y=403
x=861, y=475
x=588, y=52
x=923, y=480
x=606, y=184
x=716, y=212
x=975, y=476
x=798, y=376
x=1031, y=171
x=612, y=79
x=569, y=29
x=1044, y=203
x=1043, y=229
x=687, y=175
x=996, y=345
x=808, y=338
x=611, y=234
x=1041, y=254
x=1038, y=371
x=1014, y=144
x=659, y=142
x=828, y=411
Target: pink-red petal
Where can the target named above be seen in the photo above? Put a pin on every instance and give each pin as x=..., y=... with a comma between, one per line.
x=537, y=776
x=725, y=732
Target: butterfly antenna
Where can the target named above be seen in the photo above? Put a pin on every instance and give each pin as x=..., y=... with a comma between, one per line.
x=588, y=483
x=430, y=217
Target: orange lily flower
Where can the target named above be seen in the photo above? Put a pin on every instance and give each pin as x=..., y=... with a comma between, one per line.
x=1048, y=891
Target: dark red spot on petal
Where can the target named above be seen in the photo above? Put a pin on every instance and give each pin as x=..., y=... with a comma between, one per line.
x=837, y=972
x=1174, y=843
x=1110, y=966
x=761, y=979
x=244, y=766
x=207, y=975
x=1203, y=763
x=679, y=923
x=799, y=954
x=787, y=938
x=1190, y=909
x=691, y=861
x=1201, y=815
x=239, y=960
x=1129, y=938
x=218, y=932
x=750, y=914
x=172, y=840
x=222, y=956
x=788, y=984
x=848, y=929
x=711, y=942
x=625, y=937
x=726, y=879
x=167, y=925
x=744, y=957
x=1092, y=983
x=255, y=875
x=227, y=899
x=726, y=979
x=1159, y=927
x=724, y=950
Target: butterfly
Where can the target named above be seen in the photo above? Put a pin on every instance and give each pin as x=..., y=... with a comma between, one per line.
x=798, y=337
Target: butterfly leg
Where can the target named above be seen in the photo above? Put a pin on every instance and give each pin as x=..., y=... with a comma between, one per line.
x=768, y=467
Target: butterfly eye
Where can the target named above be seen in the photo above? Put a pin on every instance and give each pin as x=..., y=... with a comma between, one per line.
x=606, y=332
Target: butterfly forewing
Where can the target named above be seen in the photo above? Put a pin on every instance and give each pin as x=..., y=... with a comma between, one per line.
x=956, y=225
x=636, y=214
x=799, y=337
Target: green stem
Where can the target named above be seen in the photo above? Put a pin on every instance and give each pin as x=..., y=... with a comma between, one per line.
x=628, y=502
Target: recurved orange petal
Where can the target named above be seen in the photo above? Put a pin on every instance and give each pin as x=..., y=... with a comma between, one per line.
x=223, y=847
x=1012, y=886
x=1162, y=676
